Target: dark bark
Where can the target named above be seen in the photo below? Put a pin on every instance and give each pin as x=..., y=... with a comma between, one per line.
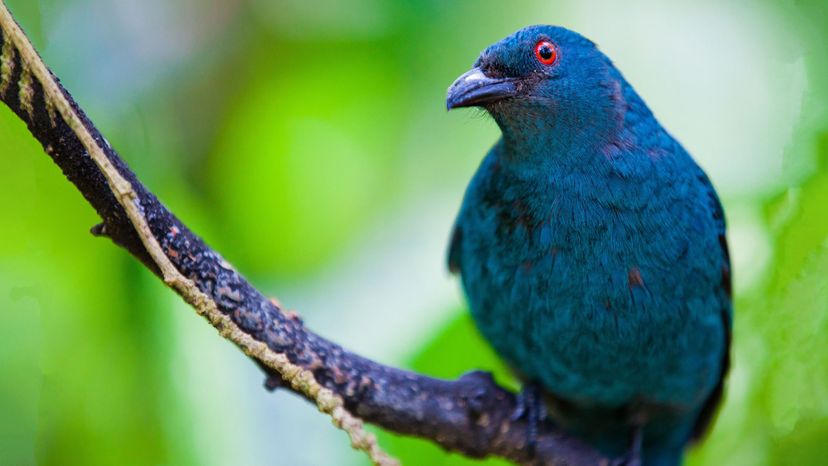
x=471, y=415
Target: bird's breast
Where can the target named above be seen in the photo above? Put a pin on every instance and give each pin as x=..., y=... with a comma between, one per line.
x=596, y=301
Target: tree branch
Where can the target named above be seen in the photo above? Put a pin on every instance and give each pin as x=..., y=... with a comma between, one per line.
x=471, y=415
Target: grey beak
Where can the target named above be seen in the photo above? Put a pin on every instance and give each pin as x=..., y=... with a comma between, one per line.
x=474, y=89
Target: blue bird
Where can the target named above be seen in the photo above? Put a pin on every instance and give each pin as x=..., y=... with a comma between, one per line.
x=592, y=249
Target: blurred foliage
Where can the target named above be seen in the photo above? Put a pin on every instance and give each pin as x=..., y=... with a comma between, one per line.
x=286, y=134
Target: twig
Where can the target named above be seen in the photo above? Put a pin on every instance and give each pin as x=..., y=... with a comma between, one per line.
x=32, y=67
x=471, y=415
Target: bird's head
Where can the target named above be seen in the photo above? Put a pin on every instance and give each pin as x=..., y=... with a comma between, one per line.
x=546, y=79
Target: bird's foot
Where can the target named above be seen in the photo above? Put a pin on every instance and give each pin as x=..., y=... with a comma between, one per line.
x=627, y=460
x=530, y=406
x=633, y=456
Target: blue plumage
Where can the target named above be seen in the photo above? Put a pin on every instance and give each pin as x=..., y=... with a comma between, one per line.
x=592, y=248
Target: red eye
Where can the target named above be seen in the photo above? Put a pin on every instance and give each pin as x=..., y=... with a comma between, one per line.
x=546, y=52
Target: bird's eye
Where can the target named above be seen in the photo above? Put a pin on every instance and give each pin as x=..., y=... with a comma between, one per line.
x=546, y=52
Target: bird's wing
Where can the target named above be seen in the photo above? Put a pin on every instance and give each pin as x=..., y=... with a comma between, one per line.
x=482, y=177
x=708, y=411
x=454, y=250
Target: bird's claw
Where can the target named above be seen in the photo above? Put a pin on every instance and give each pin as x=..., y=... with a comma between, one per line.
x=531, y=406
x=628, y=459
x=633, y=456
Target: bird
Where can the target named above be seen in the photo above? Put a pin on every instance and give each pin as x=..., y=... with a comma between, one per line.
x=592, y=249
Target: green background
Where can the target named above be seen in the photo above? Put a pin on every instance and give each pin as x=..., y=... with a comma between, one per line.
x=309, y=143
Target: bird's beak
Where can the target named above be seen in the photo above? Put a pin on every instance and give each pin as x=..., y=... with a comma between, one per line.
x=474, y=89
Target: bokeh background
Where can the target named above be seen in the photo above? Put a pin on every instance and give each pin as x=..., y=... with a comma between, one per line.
x=309, y=143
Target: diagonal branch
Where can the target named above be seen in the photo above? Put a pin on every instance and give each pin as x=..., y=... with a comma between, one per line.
x=471, y=415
